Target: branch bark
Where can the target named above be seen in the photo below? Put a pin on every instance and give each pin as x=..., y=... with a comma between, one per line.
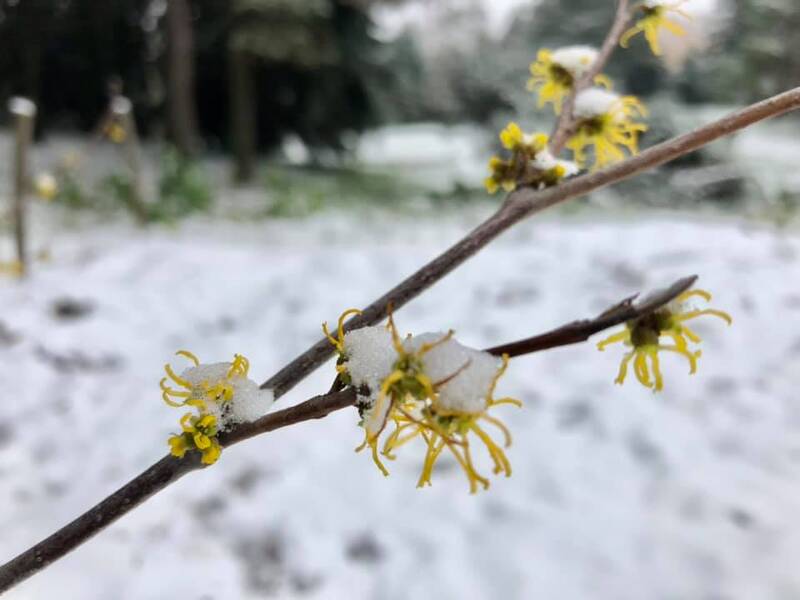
x=565, y=125
x=581, y=331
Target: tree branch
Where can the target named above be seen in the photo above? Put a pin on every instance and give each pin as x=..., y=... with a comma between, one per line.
x=580, y=331
x=169, y=469
x=565, y=125
x=522, y=203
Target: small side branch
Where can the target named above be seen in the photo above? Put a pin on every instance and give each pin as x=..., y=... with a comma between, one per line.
x=580, y=331
x=565, y=125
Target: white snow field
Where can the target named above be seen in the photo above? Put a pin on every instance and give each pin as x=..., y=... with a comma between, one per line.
x=617, y=493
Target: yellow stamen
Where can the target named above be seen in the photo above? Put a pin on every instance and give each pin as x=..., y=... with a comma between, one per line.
x=640, y=368
x=501, y=463
x=659, y=380
x=707, y=311
x=623, y=367
x=338, y=342
x=501, y=426
x=503, y=366
x=189, y=355
x=692, y=293
x=501, y=401
x=622, y=336
x=179, y=380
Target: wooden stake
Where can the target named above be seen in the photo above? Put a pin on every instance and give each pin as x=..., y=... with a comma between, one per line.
x=24, y=112
x=122, y=110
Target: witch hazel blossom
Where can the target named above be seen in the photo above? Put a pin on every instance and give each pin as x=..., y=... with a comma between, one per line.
x=577, y=60
x=608, y=124
x=555, y=73
x=648, y=336
x=530, y=163
x=594, y=102
x=655, y=17
x=222, y=396
x=545, y=161
x=429, y=388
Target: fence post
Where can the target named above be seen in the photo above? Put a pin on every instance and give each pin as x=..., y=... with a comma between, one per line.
x=122, y=111
x=24, y=113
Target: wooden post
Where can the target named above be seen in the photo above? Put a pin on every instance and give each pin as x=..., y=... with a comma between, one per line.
x=122, y=111
x=181, y=111
x=24, y=112
x=243, y=114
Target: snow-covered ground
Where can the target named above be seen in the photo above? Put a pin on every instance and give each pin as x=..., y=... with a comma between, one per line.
x=616, y=494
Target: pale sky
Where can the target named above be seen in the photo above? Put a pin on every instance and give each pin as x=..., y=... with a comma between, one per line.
x=393, y=20
x=499, y=12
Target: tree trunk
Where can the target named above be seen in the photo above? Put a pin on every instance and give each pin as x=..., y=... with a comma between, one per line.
x=243, y=115
x=181, y=110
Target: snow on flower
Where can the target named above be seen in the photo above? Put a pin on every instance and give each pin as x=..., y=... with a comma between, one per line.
x=45, y=186
x=222, y=395
x=545, y=161
x=554, y=73
x=608, y=123
x=530, y=162
x=430, y=387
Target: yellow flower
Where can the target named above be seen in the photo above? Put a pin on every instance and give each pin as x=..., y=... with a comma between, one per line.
x=46, y=186
x=607, y=123
x=554, y=73
x=338, y=343
x=11, y=267
x=444, y=413
x=116, y=132
x=219, y=389
x=407, y=382
x=199, y=432
x=644, y=336
x=221, y=394
x=530, y=162
x=442, y=428
x=503, y=174
x=656, y=17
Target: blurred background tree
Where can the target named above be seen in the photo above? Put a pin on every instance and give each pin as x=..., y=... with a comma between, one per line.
x=266, y=68
x=241, y=76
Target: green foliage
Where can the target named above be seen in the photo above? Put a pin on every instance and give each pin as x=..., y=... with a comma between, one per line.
x=298, y=192
x=71, y=193
x=183, y=188
x=762, y=49
x=119, y=188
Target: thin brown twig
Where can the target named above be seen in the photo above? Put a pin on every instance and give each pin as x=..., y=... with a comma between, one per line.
x=169, y=469
x=565, y=124
x=521, y=204
x=580, y=331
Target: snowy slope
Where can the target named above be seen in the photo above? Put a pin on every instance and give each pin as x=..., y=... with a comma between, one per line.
x=616, y=493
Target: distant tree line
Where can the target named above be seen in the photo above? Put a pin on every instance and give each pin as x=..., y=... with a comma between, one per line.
x=238, y=75
x=229, y=75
